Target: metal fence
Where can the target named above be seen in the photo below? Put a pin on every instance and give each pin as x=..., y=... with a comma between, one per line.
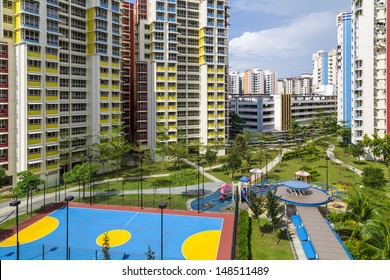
x=36, y=251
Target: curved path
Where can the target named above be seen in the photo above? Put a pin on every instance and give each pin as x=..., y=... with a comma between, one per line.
x=330, y=154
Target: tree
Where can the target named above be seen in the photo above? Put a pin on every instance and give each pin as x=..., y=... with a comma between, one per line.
x=274, y=209
x=356, y=150
x=3, y=178
x=114, y=148
x=236, y=125
x=376, y=239
x=150, y=255
x=374, y=177
x=184, y=177
x=106, y=247
x=256, y=204
x=385, y=151
x=233, y=162
x=28, y=182
x=211, y=157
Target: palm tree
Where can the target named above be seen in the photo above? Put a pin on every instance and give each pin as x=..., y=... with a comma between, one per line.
x=376, y=239
x=359, y=210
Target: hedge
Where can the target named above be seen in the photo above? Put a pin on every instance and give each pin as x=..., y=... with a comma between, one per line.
x=244, y=236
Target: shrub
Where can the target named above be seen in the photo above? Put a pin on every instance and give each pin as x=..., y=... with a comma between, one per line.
x=244, y=236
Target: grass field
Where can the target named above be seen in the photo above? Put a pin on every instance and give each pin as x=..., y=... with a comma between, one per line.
x=265, y=245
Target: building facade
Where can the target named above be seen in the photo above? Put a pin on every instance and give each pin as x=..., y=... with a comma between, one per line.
x=344, y=71
x=324, y=69
x=64, y=92
x=370, y=108
x=182, y=64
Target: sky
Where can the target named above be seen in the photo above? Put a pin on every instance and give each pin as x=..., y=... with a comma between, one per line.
x=281, y=35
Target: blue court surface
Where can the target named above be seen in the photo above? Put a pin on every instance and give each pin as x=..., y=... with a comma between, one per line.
x=134, y=232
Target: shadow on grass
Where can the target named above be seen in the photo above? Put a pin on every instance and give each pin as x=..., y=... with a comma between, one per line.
x=265, y=229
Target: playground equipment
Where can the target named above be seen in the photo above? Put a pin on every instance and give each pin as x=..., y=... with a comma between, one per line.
x=225, y=190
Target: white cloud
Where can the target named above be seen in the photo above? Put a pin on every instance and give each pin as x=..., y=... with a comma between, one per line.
x=287, y=49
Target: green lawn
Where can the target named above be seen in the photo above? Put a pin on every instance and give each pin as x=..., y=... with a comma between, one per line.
x=265, y=245
x=336, y=173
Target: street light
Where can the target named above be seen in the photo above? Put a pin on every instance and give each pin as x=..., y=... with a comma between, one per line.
x=266, y=166
x=327, y=159
x=67, y=199
x=162, y=206
x=16, y=203
x=203, y=164
x=141, y=158
x=90, y=187
x=280, y=141
x=44, y=190
x=198, y=161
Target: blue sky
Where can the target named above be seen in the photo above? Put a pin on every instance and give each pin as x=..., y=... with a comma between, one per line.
x=281, y=35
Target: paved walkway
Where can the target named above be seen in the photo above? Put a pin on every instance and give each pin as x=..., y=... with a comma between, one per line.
x=329, y=153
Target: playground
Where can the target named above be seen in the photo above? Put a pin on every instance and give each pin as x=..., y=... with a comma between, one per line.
x=206, y=236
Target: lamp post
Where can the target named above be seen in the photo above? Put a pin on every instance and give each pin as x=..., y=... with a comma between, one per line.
x=44, y=190
x=203, y=164
x=162, y=206
x=198, y=161
x=327, y=159
x=141, y=158
x=90, y=187
x=266, y=166
x=67, y=199
x=280, y=141
x=16, y=203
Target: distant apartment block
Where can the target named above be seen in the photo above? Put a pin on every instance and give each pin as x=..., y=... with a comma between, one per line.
x=324, y=69
x=265, y=113
x=296, y=85
x=344, y=70
x=253, y=81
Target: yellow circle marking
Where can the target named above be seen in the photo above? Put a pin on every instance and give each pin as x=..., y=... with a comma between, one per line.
x=34, y=232
x=202, y=245
x=116, y=237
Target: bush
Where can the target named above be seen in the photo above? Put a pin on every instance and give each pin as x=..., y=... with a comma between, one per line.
x=244, y=236
x=289, y=155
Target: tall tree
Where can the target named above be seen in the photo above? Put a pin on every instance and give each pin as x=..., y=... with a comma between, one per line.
x=27, y=183
x=211, y=157
x=184, y=177
x=236, y=125
x=256, y=204
x=3, y=178
x=274, y=208
x=233, y=163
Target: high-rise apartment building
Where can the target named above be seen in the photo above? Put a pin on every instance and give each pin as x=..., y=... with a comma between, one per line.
x=235, y=83
x=324, y=69
x=128, y=70
x=182, y=58
x=270, y=82
x=297, y=85
x=370, y=106
x=344, y=53
x=62, y=81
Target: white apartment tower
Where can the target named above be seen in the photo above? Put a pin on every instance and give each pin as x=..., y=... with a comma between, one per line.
x=324, y=69
x=370, y=107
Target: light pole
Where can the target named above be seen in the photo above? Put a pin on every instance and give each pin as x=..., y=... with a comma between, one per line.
x=44, y=190
x=67, y=199
x=203, y=164
x=90, y=187
x=141, y=158
x=327, y=159
x=266, y=166
x=198, y=161
x=162, y=206
x=16, y=203
x=280, y=141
